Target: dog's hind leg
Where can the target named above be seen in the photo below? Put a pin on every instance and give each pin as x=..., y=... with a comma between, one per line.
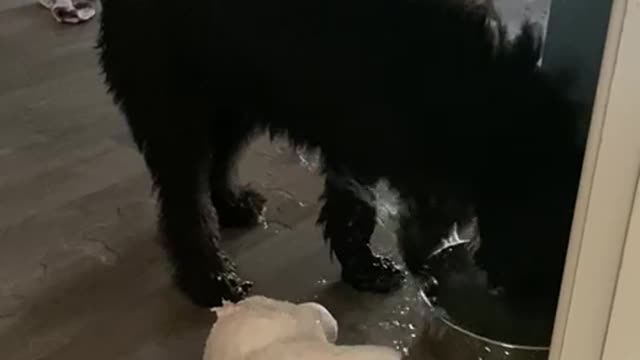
x=236, y=206
x=348, y=221
x=177, y=152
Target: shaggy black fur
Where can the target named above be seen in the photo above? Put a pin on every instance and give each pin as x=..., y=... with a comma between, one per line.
x=427, y=94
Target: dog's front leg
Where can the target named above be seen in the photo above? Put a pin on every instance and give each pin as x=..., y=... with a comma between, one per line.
x=348, y=221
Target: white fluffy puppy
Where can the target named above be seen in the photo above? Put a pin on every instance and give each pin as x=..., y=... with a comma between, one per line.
x=260, y=328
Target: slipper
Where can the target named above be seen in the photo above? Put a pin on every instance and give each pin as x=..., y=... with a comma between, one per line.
x=68, y=11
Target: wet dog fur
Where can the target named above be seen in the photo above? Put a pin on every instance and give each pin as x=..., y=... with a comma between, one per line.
x=429, y=95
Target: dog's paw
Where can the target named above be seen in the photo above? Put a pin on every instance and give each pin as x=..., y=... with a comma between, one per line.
x=233, y=287
x=379, y=275
x=209, y=289
x=241, y=210
x=212, y=290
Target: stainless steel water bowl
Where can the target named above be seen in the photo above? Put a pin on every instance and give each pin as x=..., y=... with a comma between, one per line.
x=452, y=341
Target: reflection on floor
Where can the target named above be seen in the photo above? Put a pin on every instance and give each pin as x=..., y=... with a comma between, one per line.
x=81, y=275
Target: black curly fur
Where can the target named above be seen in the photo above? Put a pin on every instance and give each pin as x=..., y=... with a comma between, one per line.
x=427, y=94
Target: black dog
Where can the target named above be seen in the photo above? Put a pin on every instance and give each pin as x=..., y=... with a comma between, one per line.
x=427, y=94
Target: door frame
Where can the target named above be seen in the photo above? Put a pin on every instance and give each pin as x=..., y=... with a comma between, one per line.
x=622, y=333
x=606, y=195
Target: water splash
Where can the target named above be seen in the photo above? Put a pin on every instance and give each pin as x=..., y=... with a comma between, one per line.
x=385, y=199
x=309, y=159
x=387, y=203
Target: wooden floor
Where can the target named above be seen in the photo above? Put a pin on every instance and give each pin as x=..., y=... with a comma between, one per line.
x=81, y=274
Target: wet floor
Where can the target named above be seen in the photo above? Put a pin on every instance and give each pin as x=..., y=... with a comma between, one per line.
x=81, y=274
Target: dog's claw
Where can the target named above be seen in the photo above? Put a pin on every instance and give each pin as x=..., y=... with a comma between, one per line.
x=381, y=275
x=234, y=288
x=246, y=287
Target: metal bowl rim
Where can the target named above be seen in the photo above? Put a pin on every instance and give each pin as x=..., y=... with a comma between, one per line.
x=473, y=335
